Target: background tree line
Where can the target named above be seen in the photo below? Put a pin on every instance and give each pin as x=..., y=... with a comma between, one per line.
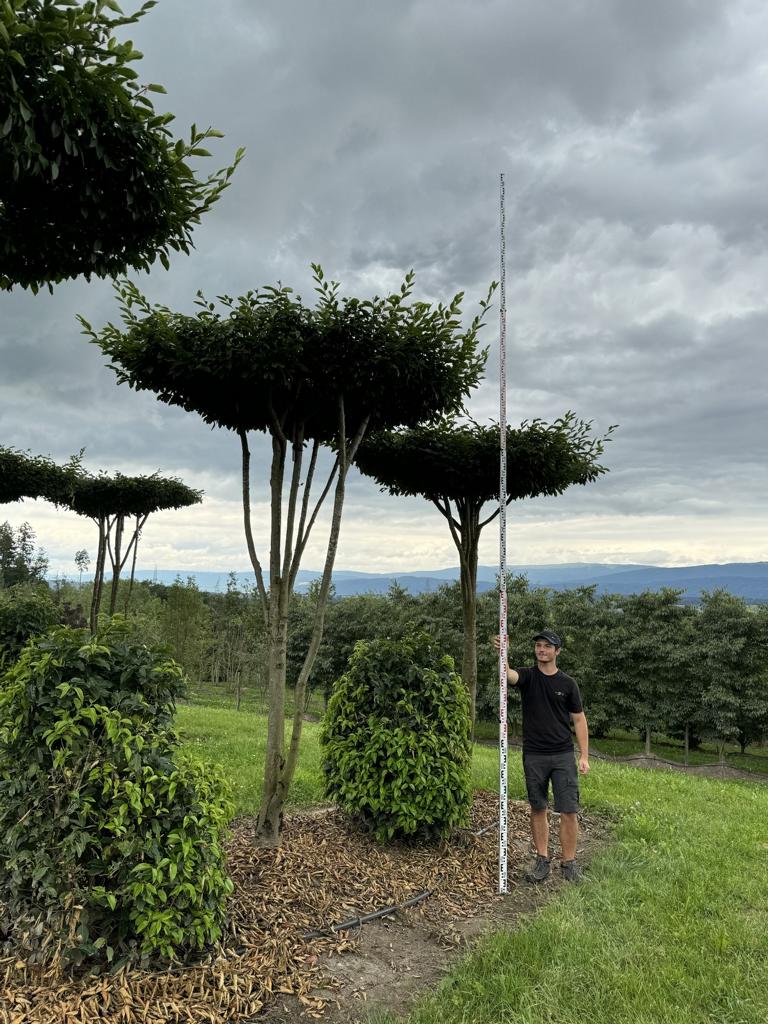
x=645, y=662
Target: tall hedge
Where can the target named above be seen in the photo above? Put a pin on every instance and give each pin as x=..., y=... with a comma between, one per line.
x=110, y=838
x=396, y=739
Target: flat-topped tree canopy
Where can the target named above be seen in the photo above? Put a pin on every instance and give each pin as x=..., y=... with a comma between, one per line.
x=104, y=495
x=267, y=362
x=456, y=467
x=92, y=181
x=23, y=475
x=109, y=501
x=460, y=461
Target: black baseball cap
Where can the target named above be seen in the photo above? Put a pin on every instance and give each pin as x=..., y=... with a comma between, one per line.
x=550, y=636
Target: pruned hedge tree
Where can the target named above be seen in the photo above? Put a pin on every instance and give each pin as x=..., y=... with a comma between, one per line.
x=308, y=378
x=396, y=740
x=92, y=181
x=456, y=467
x=110, y=837
x=24, y=475
x=110, y=501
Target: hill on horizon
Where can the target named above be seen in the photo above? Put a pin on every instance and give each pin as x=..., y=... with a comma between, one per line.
x=748, y=580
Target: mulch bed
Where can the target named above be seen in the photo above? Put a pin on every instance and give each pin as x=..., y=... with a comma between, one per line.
x=326, y=872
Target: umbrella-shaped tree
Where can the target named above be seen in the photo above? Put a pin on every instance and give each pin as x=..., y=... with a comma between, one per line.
x=23, y=475
x=110, y=501
x=92, y=180
x=456, y=467
x=308, y=378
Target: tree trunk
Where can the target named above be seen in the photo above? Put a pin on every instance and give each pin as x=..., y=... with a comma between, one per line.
x=465, y=529
x=647, y=742
x=469, y=619
x=273, y=796
x=98, y=576
x=687, y=741
x=274, y=792
x=116, y=563
x=133, y=565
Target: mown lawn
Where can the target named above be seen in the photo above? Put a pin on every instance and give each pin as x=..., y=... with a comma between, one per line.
x=669, y=928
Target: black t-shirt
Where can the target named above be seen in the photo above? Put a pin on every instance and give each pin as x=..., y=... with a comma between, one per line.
x=548, y=702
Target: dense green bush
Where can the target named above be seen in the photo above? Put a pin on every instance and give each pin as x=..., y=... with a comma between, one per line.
x=25, y=611
x=110, y=838
x=396, y=739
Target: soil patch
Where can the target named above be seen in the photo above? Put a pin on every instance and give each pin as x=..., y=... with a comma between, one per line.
x=326, y=872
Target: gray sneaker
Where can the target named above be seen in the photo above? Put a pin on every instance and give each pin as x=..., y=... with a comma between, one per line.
x=571, y=871
x=540, y=869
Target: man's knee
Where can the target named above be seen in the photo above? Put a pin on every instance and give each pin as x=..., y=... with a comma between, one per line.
x=538, y=812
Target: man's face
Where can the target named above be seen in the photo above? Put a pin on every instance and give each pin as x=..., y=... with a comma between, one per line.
x=545, y=652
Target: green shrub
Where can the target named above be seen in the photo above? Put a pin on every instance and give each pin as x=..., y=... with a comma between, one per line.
x=25, y=611
x=110, y=838
x=396, y=739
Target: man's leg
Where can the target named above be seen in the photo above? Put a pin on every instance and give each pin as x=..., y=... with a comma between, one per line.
x=569, y=835
x=565, y=785
x=540, y=831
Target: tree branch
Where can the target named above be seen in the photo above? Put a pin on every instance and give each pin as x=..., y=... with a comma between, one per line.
x=297, y=451
x=303, y=543
x=246, y=462
x=303, y=517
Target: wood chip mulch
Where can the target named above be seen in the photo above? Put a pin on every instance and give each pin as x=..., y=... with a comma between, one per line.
x=326, y=872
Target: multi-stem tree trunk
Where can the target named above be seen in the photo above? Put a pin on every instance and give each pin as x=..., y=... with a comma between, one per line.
x=116, y=564
x=287, y=544
x=98, y=575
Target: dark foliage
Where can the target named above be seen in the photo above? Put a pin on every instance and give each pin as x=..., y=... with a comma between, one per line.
x=25, y=612
x=110, y=838
x=270, y=363
x=396, y=742
x=92, y=181
x=461, y=461
x=23, y=475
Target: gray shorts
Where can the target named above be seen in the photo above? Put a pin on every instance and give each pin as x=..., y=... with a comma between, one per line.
x=539, y=769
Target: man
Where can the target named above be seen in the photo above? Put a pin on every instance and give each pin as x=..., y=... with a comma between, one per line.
x=551, y=701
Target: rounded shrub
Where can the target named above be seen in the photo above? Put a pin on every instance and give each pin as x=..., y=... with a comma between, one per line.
x=25, y=611
x=110, y=837
x=396, y=739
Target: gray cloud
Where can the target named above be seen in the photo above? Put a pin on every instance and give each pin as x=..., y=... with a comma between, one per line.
x=633, y=139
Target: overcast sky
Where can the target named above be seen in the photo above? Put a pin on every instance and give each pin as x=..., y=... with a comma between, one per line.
x=634, y=140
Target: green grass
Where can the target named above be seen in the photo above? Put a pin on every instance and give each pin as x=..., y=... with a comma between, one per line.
x=236, y=740
x=669, y=927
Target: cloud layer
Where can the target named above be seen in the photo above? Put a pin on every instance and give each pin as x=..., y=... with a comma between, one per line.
x=633, y=140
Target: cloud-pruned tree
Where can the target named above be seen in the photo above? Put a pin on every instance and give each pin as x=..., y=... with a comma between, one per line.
x=23, y=475
x=308, y=378
x=92, y=181
x=111, y=501
x=456, y=467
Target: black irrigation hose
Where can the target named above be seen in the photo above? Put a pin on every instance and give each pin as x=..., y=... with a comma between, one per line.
x=358, y=922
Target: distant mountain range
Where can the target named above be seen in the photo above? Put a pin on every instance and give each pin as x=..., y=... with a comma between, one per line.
x=743, y=579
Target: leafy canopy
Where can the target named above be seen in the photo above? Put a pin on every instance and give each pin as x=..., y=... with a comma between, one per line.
x=267, y=362
x=92, y=181
x=23, y=475
x=395, y=739
x=101, y=496
x=461, y=461
x=110, y=837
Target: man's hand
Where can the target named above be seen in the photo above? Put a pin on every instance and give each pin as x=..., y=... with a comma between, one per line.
x=583, y=765
x=512, y=676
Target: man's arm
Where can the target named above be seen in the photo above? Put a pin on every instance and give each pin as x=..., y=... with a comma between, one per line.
x=512, y=676
x=582, y=738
